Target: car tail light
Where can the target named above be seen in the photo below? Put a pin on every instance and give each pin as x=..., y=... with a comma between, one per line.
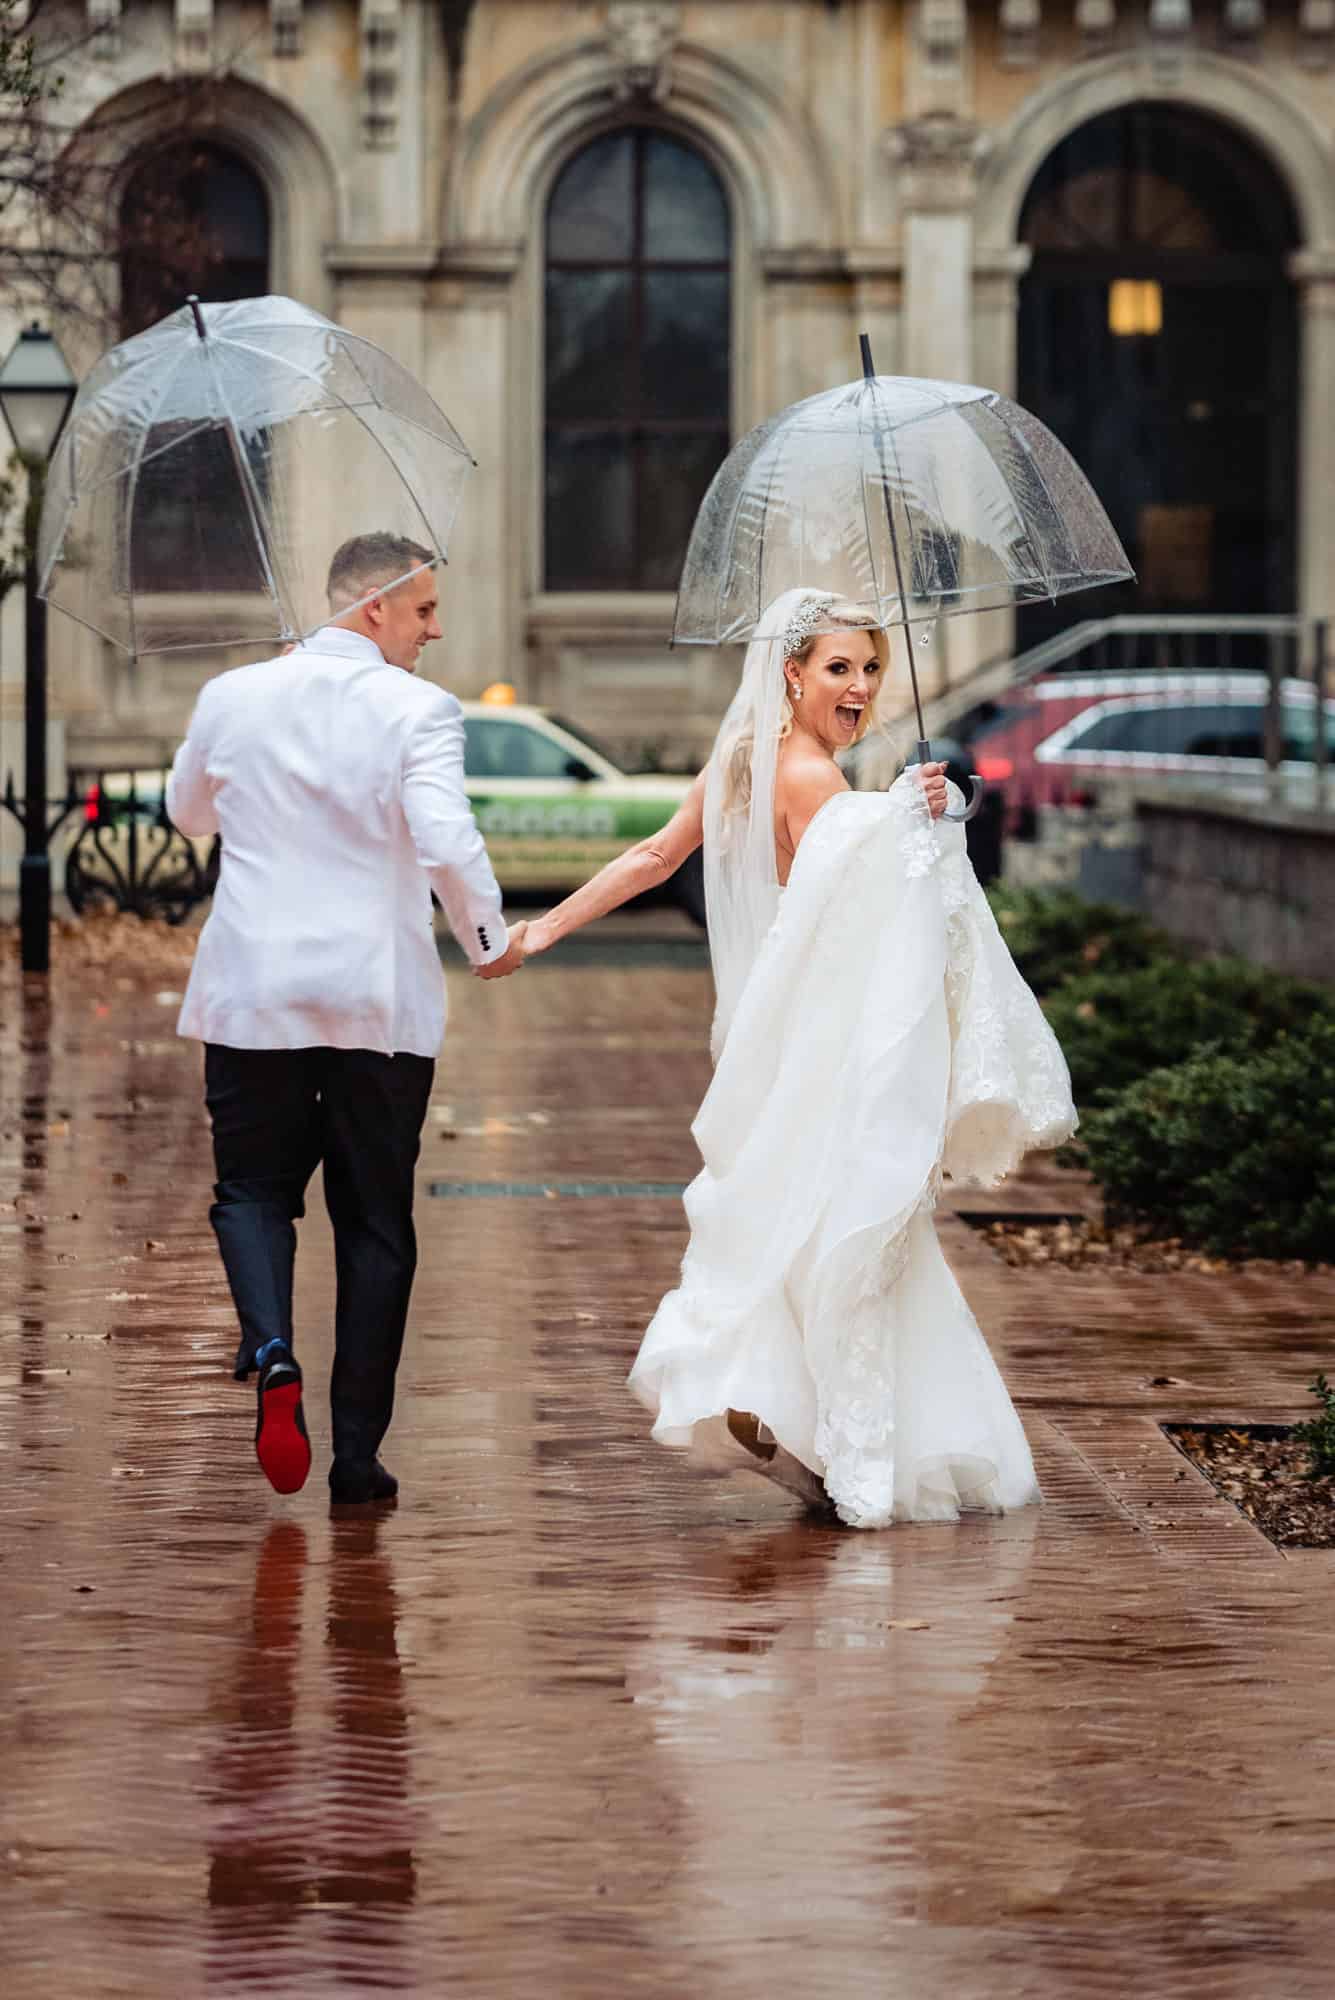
x=92, y=803
x=994, y=769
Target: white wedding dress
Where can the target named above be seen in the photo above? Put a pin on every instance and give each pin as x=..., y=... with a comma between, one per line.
x=880, y=1038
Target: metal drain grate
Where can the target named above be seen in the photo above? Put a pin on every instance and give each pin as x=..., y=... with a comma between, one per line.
x=576, y=1190
x=1025, y=1218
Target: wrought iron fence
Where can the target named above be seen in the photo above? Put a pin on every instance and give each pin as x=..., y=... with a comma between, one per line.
x=125, y=854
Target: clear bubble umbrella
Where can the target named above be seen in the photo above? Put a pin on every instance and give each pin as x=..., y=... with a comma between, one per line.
x=914, y=500
x=213, y=464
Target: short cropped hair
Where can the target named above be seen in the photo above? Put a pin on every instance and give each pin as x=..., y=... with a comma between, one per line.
x=366, y=560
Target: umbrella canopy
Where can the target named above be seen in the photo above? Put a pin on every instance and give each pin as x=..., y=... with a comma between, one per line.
x=213, y=464
x=911, y=499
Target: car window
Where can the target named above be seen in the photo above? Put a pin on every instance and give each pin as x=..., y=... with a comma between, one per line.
x=497, y=749
x=582, y=735
x=1195, y=729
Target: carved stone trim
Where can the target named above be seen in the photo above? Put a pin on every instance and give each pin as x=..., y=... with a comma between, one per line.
x=1096, y=21
x=1316, y=33
x=943, y=29
x=382, y=260
x=1170, y=20
x=194, y=34
x=382, y=57
x=642, y=37
x=1244, y=23
x=803, y=266
x=286, y=23
x=104, y=25
x=1021, y=22
x=937, y=156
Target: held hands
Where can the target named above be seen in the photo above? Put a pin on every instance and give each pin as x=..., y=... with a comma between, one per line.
x=933, y=780
x=513, y=960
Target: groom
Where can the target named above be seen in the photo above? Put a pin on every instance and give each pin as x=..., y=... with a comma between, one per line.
x=336, y=781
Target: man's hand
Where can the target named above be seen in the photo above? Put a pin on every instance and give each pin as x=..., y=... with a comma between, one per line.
x=501, y=968
x=934, y=788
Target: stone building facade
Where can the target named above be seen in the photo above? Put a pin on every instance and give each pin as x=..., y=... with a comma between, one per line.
x=512, y=196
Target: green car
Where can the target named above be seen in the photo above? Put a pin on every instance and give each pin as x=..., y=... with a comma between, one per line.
x=551, y=804
x=553, y=807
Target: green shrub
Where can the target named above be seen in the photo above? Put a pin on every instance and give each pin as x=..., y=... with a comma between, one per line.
x=1115, y=1028
x=1319, y=1435
x=1054, y=934
x=1235, y=1153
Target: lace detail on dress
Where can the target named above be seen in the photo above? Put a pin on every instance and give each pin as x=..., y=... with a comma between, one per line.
x=1010, y=1090
x=855, y=1389
x=921, y=848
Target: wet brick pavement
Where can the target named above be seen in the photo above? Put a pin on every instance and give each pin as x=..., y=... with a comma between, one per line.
x=578, y=1719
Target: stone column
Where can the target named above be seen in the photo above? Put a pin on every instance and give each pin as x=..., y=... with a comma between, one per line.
x=1313, y=272
x=996, y=309
x=936, y=155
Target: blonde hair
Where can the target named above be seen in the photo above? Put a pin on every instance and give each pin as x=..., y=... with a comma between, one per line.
x=840, y=616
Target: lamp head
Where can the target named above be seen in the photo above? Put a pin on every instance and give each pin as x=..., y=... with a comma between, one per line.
x=37, y=389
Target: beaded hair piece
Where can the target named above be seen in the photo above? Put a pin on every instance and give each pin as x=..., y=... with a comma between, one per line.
x=808, y=615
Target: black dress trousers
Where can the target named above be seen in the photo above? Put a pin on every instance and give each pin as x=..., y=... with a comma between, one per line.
x=277, y=1114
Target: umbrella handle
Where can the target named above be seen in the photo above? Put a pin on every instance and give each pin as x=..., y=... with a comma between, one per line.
x=976, y=786
x=975, y=800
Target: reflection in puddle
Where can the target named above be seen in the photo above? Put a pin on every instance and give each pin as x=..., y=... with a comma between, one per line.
x=309, y=1793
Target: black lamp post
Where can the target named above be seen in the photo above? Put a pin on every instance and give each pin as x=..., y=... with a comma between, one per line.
x=36, y=391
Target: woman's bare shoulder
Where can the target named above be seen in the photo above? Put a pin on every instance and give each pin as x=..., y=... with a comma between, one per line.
x=803, y=782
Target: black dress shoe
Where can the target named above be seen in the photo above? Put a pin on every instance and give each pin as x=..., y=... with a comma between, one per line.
x=281, y=1443
x=354, y=1482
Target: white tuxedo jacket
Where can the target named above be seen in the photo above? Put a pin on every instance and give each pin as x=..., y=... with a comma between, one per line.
x=337, y=784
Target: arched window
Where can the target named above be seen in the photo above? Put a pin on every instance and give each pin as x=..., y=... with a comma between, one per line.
x=1160, y=237
x=638, y=287
x=194, y=218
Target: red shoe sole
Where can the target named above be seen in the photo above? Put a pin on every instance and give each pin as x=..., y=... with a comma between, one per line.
x=281, y=1444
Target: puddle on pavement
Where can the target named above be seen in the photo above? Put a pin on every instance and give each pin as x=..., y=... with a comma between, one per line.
x=576, y=1718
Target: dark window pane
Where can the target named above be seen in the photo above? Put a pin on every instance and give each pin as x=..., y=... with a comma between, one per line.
x=591, y=215
x=589, y=513
x=686, y=340
x=674, y=473
x=194, y=219
x=685, y=208
x=187, y=523
x=633, y=351
x=234, y=210
x=588, y=344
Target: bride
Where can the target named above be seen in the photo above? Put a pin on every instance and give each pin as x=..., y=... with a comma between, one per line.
x=871, y=1036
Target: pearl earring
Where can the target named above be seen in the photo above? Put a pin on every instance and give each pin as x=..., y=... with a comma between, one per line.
x=795, y=690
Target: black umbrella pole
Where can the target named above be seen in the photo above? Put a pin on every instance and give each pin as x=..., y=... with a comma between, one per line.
x=924, y=747
x=869, y=375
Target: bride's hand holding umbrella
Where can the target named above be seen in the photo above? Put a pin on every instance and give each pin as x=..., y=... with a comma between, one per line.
x=933, y=779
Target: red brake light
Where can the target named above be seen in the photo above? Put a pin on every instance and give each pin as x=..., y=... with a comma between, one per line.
x=92, y=802
x=993, y=769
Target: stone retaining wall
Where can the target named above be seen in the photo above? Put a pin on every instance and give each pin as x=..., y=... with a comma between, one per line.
x=1255, y=880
